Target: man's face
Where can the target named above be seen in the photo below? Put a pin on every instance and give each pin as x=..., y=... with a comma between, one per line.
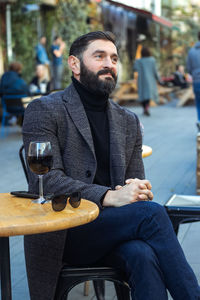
x=43, y=40
x=40, y=71
x=98, y=67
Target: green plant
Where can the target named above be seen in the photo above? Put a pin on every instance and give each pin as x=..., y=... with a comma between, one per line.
x=24, y=37
x=71, y=21
x=68, y=19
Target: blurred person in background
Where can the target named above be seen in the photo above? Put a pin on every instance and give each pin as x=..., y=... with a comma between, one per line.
x=193, y=67
x=147, y=79
x=57, y=50
x=42, y=56
x=40, y=83
x=12, y=82
x=180, y=77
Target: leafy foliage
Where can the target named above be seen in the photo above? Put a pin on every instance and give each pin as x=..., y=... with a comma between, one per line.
x=184, y=34
x=69, y=19
x=24, y=37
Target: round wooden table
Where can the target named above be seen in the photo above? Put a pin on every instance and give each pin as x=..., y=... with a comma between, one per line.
x=20, y=216
x=146, y=151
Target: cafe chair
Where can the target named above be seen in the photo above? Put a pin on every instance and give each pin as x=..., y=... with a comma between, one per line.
x=71, y=276
x=11, y=106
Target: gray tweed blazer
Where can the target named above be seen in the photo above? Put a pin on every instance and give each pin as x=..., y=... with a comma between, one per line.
x=60, y=118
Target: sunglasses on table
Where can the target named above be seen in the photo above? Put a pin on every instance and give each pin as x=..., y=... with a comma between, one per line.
x=59, y=202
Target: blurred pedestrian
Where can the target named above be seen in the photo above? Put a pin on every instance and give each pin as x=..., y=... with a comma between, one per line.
x=12, y=82
x=42, y=56
x=40, y=83
x=180, y=77
x=193, y=67
x=147, y=79
x=57, y=50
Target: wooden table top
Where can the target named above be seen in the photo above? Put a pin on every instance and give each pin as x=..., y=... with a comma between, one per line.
x=20, y=216
x=146, y=151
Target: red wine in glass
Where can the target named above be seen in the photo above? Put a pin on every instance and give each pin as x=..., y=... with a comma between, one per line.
x=40, y=165
x=40, y=160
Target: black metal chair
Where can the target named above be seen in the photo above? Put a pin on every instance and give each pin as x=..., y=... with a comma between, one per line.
x=71, y=276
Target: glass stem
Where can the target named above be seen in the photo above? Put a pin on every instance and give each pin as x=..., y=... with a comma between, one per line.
x=41, y=186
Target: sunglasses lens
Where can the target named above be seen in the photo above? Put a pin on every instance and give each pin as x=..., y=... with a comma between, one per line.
x=75, y=199
x=59, y=202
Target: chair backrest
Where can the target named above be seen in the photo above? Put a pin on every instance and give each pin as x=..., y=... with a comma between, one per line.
x=12, y=103
x=23, y=161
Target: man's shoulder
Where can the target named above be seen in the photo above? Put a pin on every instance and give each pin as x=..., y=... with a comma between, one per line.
x=195, y=48
x=123, y=111
x=54, y=100
x=49, y=102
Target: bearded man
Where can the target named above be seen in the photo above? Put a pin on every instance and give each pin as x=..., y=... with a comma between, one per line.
x=97, y=151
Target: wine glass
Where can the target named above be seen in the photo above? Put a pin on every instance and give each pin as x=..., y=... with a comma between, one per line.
x=40, y=160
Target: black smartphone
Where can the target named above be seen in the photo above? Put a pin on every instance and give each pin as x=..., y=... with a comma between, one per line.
x=24, y=194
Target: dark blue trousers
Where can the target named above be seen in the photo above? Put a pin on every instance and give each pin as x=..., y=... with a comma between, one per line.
x=196, y=88
x=138, y=238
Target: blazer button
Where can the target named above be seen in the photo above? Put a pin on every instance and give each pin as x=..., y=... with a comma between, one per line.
x=88, y=173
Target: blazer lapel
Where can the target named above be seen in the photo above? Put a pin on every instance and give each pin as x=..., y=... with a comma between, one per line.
x=117, y=124
x=117, y=127
x=78, y=115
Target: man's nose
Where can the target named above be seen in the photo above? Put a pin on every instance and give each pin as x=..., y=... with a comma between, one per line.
x=108, y=62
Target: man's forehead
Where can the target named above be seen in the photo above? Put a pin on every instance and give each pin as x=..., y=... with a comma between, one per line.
x=101, y=45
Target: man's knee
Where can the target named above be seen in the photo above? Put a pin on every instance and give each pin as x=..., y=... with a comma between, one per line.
x=156, y=221
x=157, y=210
x=136, y=253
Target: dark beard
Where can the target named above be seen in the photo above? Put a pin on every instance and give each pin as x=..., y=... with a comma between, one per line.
x=92, y=82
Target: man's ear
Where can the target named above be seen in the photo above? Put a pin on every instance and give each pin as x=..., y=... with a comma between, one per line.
x=74, y=64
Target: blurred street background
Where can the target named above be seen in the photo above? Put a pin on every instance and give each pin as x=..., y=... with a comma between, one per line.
x=169, y=29
x=171, y=132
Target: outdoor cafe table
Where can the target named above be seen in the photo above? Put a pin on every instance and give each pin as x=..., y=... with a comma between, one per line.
x=20, y=216
x=146, y=151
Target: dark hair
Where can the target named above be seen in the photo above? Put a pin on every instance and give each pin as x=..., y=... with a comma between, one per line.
x=16, y=67
x=145, y=52
x=56, y=37
x=81, y=43
x=199, y=35
x=177, y=67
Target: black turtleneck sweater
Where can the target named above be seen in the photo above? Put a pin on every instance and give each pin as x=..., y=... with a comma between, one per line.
x=95, y=106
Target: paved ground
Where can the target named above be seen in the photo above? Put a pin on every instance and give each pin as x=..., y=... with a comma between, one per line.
x=171, y=132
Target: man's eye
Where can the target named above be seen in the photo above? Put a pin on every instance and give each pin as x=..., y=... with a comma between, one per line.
x=98, y=56
x=114, y=59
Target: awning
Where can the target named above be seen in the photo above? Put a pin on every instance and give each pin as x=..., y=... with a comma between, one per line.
x=48, y=2
x=144, y=13
x=7, y=1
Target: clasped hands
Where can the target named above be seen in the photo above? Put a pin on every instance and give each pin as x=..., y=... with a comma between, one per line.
x=134, y=190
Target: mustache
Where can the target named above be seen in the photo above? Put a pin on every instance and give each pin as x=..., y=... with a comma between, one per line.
x=107, y=71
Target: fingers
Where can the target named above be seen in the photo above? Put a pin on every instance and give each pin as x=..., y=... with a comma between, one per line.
x=129, y=180
x=145, y=195
x=150, y=196
x=142, y=182
x=148, y=184
x=118, y=187
x=142, y=197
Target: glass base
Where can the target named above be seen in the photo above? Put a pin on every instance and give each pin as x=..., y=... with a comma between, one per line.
x=41, y=200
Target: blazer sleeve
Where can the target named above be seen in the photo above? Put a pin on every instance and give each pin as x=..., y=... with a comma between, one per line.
x=135, y=166
x=40, y=124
